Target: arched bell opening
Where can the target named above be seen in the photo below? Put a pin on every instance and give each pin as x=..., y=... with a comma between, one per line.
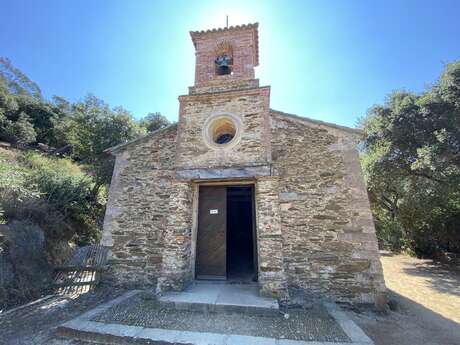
x=224, y=58
x=223, y=65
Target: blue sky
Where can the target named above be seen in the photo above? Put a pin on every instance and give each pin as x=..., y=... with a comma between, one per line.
x=329, y=60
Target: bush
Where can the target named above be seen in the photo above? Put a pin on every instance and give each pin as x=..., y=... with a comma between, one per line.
x=46, y=203
x=29, y=273
x=53, y=193
x=390, y=234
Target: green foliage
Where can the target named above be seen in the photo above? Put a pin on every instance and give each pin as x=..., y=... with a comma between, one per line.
x=89, y=126
x=92, y=128
x=17, y=82
x=154, y=121
x=21, y=131
x=83, y=130
x=67, y=200
x=13, y=177
x=25, y=117
x=43, y=116
x=53, y=193
x=71, y=198
x=411, y=161
x=63, y=197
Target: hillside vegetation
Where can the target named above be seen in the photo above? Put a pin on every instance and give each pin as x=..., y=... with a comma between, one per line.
x=46, y=208
x=54, y=177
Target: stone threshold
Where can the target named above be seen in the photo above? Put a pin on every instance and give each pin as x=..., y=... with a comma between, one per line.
x=221, y=298
x=82, y=328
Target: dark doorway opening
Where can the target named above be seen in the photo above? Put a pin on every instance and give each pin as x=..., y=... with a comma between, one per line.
x=241, y=248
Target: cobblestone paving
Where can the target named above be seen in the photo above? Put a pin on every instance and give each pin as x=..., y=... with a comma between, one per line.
x=312, y=324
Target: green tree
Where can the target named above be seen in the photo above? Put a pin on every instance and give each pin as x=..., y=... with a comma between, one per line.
x=154, y=121
x=411, y=161
x=25, y=117
x=43, y=116
x=23, y=130
x=83, y=130
x=16, y=81
x=94, y=127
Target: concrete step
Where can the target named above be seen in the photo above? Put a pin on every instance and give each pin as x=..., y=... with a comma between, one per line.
x=125, y=335
x=115, y=334
x=221, y=298
x=85, y=328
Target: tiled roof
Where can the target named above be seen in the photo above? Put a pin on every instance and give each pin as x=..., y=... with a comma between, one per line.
x=253, y=26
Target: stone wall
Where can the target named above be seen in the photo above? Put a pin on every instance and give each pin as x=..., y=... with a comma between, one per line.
x=250, y=106
x=177, y=269
x=141, y=199
x=224, y=83
x=329, y=243
x=272, y=278
x=314, y=226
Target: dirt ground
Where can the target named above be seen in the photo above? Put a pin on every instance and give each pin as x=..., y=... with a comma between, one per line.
x=35, y=324
x=425, y=303
x=425, y=298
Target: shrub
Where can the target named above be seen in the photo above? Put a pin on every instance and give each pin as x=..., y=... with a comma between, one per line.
x=24, y=256
x=20, y=131
x=53, y=193
x=390, y=234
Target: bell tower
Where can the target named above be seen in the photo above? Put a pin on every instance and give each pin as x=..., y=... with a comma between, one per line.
x=224, y=120
x=225, y=55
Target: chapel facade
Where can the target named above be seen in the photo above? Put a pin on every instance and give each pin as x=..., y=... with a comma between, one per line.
x=237, y=191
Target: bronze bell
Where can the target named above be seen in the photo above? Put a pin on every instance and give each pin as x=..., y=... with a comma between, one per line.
x=223, y=64
x=221, y=70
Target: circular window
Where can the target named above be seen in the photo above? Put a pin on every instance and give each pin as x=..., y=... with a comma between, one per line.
x=222, y=130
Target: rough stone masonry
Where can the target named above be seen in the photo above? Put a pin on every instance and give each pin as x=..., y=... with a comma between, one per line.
x=315, y=232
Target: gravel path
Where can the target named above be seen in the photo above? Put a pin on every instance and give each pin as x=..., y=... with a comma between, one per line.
x=312, y=324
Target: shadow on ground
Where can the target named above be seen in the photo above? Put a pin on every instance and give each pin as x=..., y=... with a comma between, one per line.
x=409, y=324
x=36, y=324
x=442, y=276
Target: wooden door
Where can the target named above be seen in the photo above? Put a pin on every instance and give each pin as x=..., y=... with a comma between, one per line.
x=211, y=246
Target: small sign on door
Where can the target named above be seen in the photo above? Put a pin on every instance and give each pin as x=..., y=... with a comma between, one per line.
x=214, y=211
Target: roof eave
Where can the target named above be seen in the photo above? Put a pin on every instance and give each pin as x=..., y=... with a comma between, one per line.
x=117, y=148
x=319, y=122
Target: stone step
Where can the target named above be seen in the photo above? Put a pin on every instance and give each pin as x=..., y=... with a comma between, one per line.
x=88, y=327
x=114, y=334
x=221, y=298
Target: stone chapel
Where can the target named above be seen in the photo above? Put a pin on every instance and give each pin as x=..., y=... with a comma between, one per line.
x=239, y=192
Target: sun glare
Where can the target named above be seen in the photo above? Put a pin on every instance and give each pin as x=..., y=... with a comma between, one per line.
x=217, y=17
